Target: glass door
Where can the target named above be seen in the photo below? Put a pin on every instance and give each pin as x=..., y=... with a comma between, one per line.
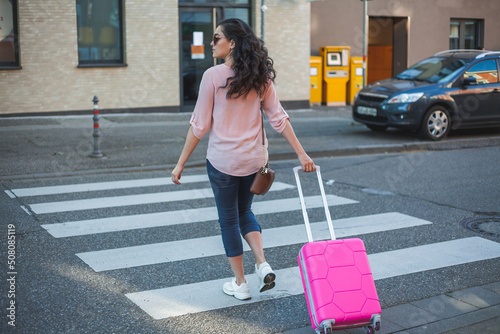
x=198, y=21
x=197, y=28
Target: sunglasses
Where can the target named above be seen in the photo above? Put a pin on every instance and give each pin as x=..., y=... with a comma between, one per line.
x=216, y=39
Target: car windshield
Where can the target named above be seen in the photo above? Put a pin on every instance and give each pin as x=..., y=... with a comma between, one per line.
x=434, y=69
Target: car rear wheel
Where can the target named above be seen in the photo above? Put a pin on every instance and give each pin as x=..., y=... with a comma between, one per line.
x=436, y=123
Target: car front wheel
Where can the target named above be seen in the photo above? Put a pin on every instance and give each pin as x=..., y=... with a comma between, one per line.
x=436, y=123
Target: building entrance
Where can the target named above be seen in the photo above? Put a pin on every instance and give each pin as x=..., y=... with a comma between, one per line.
x=387, y=47
x=197, y=26
x=197, y=29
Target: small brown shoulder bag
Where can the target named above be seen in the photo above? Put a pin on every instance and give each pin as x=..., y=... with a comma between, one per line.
x=265, y=176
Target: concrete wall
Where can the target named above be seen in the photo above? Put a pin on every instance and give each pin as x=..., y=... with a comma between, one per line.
x=340, y=22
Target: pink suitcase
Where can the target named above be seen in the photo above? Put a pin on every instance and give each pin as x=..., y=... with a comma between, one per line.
x=338, y=282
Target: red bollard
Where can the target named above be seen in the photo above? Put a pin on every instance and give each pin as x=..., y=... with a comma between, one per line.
x=97, y=151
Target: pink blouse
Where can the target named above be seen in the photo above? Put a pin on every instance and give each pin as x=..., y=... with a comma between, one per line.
x=235, y=141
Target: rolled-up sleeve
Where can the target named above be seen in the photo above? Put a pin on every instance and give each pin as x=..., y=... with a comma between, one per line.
x=201, y=120
x=276, y=114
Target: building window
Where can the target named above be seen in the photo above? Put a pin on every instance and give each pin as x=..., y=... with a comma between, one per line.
x=9, y=45
x=229, y=2
x=466, y=34
x=100, y=32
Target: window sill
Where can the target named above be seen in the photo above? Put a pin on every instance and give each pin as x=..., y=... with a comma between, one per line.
x=100, y=65
x=9, y=68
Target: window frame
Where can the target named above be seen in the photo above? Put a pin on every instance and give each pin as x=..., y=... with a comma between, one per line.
x=121, y=62
x=478, y=33
x=16, y=64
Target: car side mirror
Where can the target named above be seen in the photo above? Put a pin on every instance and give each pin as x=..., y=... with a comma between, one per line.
x=470, y=81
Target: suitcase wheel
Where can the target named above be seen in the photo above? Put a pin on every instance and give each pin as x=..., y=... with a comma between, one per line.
x=327, y=329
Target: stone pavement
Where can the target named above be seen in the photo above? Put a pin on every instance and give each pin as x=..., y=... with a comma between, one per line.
x=474, y=310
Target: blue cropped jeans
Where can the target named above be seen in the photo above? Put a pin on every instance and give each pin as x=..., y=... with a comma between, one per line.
x=234, y=205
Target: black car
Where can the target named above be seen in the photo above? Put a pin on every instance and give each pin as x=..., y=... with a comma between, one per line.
x=450, y=90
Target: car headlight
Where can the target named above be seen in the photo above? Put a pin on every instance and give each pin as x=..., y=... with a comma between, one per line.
x=406, y=98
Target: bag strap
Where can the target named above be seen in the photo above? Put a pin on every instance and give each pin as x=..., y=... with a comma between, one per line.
x=264, y=171
x=262, y=121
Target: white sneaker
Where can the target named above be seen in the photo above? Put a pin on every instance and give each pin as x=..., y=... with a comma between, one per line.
x=241, y=292
x=266, y=276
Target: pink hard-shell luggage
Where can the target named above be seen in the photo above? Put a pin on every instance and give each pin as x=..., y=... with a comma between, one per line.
x=338, y=282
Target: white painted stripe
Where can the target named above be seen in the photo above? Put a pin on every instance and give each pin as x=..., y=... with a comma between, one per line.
x=10, y=194
x=26, y=210
x=134, y=256
x=434, y=256
x=124, y=223
x=205, y=296
x=118, y=201
x=85, y=187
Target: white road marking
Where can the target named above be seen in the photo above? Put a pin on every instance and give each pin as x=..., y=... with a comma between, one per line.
x=119, y=258
x=10, y=194
x=124, y=223
x=111, y=185
x=119, y=201
x=205, y=296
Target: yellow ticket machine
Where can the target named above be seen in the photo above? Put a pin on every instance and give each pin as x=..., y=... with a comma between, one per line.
x=355, y=77
x=335, y=74
x=316, y=74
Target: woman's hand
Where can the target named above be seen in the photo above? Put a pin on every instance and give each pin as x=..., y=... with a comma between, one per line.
x=176, y=174
x=307, y=163
x=189, y=146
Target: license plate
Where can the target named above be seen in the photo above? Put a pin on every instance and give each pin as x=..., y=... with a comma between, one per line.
x=367, y=111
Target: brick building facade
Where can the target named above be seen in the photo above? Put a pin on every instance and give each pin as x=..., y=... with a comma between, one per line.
x=50, y=79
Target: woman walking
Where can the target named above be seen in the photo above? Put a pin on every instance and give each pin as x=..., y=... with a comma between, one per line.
x=228, y=106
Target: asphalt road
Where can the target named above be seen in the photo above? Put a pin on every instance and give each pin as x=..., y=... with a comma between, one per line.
x=58, y=292
x=76, y=282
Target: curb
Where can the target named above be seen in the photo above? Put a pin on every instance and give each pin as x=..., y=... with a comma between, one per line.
x=396, y=148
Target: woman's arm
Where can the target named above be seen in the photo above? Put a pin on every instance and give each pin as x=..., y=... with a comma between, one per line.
x=189, y=146
x=306, y=162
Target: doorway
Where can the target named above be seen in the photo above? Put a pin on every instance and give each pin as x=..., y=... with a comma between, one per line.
x=197, y=26
x=387, y=47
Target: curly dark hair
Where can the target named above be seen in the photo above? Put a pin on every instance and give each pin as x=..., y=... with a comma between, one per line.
x=253, y=68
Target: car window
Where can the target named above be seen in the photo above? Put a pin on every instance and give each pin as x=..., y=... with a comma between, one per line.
x=433, y=69
x=485, y=72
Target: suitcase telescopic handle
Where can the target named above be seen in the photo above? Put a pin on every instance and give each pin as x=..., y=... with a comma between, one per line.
x=303, y=204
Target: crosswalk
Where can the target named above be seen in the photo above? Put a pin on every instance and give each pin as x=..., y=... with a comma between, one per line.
x=205, y=296
x=177, y=300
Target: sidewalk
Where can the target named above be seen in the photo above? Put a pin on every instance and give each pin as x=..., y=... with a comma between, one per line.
x=61, y=145
x=469, y=311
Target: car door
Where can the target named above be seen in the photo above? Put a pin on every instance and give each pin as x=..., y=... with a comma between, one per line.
x=478, y=100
